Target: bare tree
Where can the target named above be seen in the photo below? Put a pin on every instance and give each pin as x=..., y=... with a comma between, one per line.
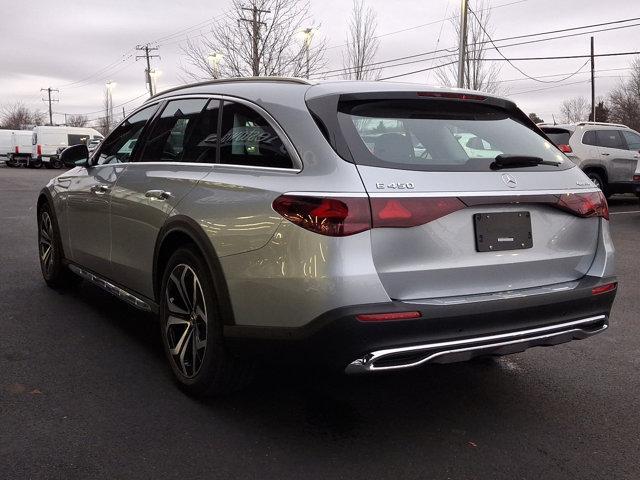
x=17, y=116
x=77, y=120
x=232, y=50
x=535, y=118
x=104, y=124
x=575, y=109
x=624, y=100
x=362, y=44
x=478, y=73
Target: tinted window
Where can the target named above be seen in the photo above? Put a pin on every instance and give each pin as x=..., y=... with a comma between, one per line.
x=609, y=139
x=559, y=136
x=119, y=145
x=589, y=138
x=438, y=136
x=75, y=139
x=633, y=140
x=246, y=138
x=185, y=132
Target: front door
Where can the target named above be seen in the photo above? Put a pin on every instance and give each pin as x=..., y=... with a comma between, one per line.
x=89, y=195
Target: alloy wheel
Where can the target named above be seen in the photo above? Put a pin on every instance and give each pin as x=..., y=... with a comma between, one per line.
x=45, y=242
x=596, y=181
x=186, y=320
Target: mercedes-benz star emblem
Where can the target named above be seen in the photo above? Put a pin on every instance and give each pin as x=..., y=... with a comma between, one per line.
x=509, y=180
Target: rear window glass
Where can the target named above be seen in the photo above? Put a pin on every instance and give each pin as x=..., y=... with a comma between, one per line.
x=558, y=136
x=439, y=136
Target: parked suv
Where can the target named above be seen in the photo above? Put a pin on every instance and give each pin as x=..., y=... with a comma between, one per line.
x=339, y=222
x=607, y=152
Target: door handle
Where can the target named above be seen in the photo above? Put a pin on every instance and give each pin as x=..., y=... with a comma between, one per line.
x=100, y=189
x=157, y=194
x=606, y=154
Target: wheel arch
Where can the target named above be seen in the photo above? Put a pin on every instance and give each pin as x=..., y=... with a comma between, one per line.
x=599, y=169
x=177, y=232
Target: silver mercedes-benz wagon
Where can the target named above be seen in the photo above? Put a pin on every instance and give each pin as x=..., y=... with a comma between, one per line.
x=368, y=226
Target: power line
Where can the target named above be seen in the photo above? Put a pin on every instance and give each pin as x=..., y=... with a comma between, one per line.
x=146, y=49
x=516, y=67
x=381, y=64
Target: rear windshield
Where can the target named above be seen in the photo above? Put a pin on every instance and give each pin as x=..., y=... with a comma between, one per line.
x=439, y=136
x=558, y=136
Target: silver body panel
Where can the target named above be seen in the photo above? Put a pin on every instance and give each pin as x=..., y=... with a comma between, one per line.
x=281, y=275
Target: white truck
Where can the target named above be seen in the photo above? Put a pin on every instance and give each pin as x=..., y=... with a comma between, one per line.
x=48, y=142
x=15, y=145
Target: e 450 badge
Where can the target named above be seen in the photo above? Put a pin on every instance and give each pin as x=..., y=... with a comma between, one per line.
x=395, y=185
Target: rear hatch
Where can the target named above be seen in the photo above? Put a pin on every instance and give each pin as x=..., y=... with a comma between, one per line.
x=449, y=218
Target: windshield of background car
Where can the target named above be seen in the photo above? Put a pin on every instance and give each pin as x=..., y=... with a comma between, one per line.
x=558, y=136
x=439, y=136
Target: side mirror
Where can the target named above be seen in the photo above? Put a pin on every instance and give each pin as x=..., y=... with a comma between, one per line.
x=75, y=156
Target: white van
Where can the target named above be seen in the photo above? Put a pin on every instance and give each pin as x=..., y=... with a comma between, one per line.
x=48, y=142
x=15, y=145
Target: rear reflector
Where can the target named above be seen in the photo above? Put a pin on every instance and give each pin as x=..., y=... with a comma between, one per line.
x=636, y=178
x=39, y=150
x=592, y=204
x=17, y=150
x=453, y=95
x=386, y=317
x=335, y=217
x=411, y=211
x=565, y=148
x=607, y=287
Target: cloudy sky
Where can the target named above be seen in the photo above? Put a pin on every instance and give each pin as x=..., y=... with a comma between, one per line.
x=76, y=46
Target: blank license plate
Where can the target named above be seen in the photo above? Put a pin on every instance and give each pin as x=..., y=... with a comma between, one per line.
x=502, y=231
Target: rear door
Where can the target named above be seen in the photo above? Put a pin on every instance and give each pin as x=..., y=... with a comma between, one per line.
x=179, y=149
x=620, y=161
x=447, y=223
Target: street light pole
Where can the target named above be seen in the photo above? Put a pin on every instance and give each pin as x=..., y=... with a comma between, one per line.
x=308, y=35
x=462, y=43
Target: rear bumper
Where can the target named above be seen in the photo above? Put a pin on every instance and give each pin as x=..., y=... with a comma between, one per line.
x=445, y=332
x=625, y=187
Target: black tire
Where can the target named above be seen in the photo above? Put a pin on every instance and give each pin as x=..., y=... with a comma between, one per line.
x=56, y=163
x=47, y=165
x=36, y=164
x=200, y=364
x=599, y=182
x=54, y=271
x=10, y=163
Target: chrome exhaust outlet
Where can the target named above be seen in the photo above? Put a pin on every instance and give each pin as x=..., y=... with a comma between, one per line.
x=466, y=349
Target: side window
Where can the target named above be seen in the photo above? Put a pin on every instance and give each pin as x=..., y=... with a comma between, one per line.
x=589, y=138
x=172, y=135
x=609, y=139
x=75, y=139
x=246, y=138
x=633, y=140
x=118, y=146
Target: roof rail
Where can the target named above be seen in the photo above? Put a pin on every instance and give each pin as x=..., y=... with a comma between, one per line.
x=301, y=81
x=603, y=124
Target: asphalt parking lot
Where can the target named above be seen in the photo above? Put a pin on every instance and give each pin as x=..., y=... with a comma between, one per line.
x=85, y=393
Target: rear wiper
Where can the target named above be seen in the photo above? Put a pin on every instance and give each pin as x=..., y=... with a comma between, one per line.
x=518, y=161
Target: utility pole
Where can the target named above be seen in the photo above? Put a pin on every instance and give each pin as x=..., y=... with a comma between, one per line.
x=593, y=84
x=255, y=36
x=146, y=49
x=124, y=115
x=462, y=49
x=49, y=100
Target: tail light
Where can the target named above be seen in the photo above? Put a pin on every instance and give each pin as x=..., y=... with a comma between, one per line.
x=39, y=150
x=343, y=216
x=636, y=178
x=453, y=95
x=411, y=211
x=335, y=217
x=17, y=149
x=592, y=204
x=565, y=148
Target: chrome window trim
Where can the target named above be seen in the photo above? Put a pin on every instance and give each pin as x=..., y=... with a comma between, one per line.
x=291, y=150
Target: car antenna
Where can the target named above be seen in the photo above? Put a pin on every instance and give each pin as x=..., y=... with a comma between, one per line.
x=554, y=119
